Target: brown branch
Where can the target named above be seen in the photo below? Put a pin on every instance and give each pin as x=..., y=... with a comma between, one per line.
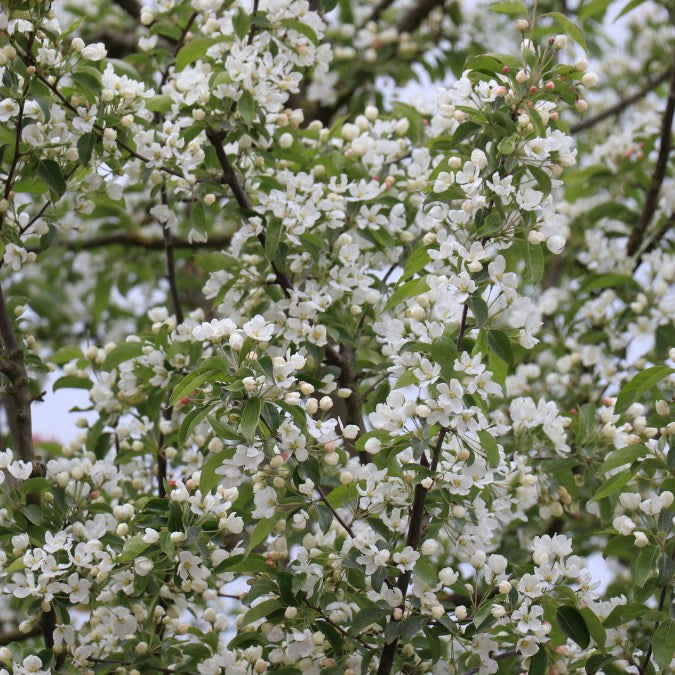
x=252, y=30
x=462, y=327
x=16, y=635
x=619, y=106
x=9, y=181
x=171, y=265
x=131, y=7
x=412, y=19
x=651, y=199
x=20, y=392
x=135, y=240
x=413, y=537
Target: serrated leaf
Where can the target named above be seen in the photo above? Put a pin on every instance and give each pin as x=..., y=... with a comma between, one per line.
x=250, y=416
x=260, y=610
x=416, y=262
x=52, y=176
x=623, y=456
x=572, y=623
x=490, y=447
x=209, y=478
x=261, y=530
x=539, y=662
x=189, y=383
x=72, y=382
x=645, y=565
x=595, y=627
x=192, y=51
x=273, y=233
x=500, y=344
x=132, y=549
x=85, y=146
x=121, y=353
x=570, y=28
x=247, y=107
x=663, y=643
x=479, y=309
x=612, y=485
x=637, y=386
x=409, y=289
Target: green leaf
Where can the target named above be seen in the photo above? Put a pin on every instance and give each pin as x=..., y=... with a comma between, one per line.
x=570, y=28
x=123, y=352
x=593, y=8
x=623, y=456
x=539, y=662
x=192, y=51
x=595, y=627
x=85, y=146
x=623, y=614
x=190, y=421
x=612, y=485
x=645, y=565
x=241, y=23
x=198, y=217
x=365, y=618
x=534, y=262
x=409, y=289
x=629, y=7
x=273, y=234
x=642, y=382
x=52, y=176
x=209, y=478
x=132, y=549
x=65, y=354
x=260, y=610
x=510, y=7
x=325, y=517
x=261, y=530
x=479, y=309
x=72, y=382
x=663, y=643
x=247, y=107
x=500, y=344
x=189, y=383
x=573, y=625
x=416, y=262
x=302, y=28
x=603, y=281
x=160, y=104
x=250, y=415
x=490, y=447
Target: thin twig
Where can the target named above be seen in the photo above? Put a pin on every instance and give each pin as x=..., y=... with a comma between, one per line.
x=620, y=105
x=652, y=197
x=416, y=522
x=494, y=657
x=338, y=517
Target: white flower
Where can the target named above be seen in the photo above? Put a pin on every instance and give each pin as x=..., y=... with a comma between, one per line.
x=406, y=559
x=94, y=52
x=143, y=566
x=20, y=470
x=258, y=329
x=14, y=256
x=8, y=108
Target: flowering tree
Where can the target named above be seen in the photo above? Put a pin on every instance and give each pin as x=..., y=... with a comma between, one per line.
x=370, y=380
